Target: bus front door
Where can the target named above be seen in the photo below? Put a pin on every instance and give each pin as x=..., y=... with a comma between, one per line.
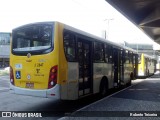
x=85, y=67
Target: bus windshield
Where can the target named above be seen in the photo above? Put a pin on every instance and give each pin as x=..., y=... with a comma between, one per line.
x=32, y=38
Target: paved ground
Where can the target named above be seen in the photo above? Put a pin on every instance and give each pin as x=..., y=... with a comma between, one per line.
x=4, y=83
x=142, y=99
x=55, y=108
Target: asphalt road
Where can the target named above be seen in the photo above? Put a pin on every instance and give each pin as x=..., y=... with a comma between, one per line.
x=4, y=83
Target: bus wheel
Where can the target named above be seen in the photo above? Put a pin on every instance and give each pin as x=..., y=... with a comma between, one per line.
x=131, y=76
x=129, y=83
x=104, y=87
x=148, y=73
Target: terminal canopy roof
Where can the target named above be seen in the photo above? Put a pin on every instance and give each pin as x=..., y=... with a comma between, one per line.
x=143, y=13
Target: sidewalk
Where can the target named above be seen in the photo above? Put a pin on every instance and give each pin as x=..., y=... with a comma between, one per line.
x=139, y=99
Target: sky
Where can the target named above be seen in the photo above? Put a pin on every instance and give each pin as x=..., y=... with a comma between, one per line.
x=93, y=16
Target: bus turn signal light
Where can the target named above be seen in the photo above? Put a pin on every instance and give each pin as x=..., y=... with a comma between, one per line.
x=11, y=76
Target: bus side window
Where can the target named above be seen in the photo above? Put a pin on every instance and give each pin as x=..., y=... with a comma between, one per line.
x=134, y=59
x=149, y=61
x=130, y=57
x=108, y=54
x=98, y=52
x=69, y=46
x=126, y=57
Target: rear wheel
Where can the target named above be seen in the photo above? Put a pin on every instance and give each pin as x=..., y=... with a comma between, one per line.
x=130, y=81
x=148, y=73
x=104, y=87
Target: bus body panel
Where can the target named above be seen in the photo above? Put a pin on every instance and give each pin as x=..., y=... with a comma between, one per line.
x=128, y=70
x=146, y=67
x=33, y=70
x=152, y=66
x=97, y=76
x=49, y=93
x=32, y=73
x=141, y=66
x=100, y=70
x=68, y=71
x=72, y=84
x=109, y=73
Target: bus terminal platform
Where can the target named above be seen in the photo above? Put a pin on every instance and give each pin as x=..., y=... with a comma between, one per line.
x=139, y=101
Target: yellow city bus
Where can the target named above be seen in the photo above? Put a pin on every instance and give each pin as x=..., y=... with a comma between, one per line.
x=52, y=59
x=146, y=65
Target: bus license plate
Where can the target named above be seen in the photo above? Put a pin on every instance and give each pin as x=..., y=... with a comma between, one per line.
x=29, y=85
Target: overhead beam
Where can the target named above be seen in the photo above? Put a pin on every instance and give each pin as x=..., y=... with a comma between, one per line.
x=152, y=20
